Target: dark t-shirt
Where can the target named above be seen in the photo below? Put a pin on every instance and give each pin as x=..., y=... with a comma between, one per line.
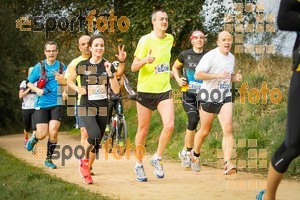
x=190, y=60
x=95, y=79
x=289, y=20
x=289, y=15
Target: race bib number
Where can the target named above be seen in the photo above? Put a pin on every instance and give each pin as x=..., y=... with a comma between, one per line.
x=224, y=85
x=194, y=85
x=162, y=68
x=97, y=92
x=224, y=88
x=30, y=102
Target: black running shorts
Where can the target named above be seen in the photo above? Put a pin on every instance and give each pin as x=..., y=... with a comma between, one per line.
x=151, y=100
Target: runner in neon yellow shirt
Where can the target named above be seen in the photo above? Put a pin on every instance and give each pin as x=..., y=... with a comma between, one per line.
x=152, y=60
x=85, y=54
x=154, y=77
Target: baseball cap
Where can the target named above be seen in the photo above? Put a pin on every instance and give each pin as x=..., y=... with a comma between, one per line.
x=196, y=34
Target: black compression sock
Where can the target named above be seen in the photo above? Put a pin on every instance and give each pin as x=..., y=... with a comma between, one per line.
x=50, y=149
x=196, y=154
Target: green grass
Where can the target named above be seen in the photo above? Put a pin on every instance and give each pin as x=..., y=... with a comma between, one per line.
x=75, y=132
x=19, y=180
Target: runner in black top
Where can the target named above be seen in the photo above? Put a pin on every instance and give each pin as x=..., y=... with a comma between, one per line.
x=28, y=97
x=189, y=59
x=95, y=75
x=288, y=19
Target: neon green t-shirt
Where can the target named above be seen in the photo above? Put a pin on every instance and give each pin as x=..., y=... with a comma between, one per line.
x=154, y=77
x=73, y=65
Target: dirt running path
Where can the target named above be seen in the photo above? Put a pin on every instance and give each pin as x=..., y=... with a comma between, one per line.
x=116, y=178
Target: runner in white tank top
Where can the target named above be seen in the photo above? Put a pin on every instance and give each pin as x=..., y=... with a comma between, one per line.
x=214, y=62
x=216, y=69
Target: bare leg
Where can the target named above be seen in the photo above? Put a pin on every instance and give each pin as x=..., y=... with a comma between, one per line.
x=189, y=139
x=225, y=118
x=42, y=130
x=206, y=120
x=166, y=110
x=53, y=130
x=274, y=178
x=144, y=116
x=26, y=134
x=83, y=134
x=92, y=157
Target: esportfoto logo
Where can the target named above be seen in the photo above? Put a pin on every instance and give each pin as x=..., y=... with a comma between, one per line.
x=263, y=23
x=66, y=152
x=77, y=23
x=251, y=95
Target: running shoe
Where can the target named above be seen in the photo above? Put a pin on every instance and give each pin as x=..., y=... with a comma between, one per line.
x=49, y=164
x=195, y=162
x=76, y=126
x=31, y=142
x=140, y=173
x=185, y=159
x=260, y=195
x=85, y=172
x=84, y=168
x=25, y=142
x=92, y=172
x=229, y=168
x=88, y=180
x=158, y=167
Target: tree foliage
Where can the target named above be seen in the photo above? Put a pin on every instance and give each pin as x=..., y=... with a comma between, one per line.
x=19, y=50
x=14, y=57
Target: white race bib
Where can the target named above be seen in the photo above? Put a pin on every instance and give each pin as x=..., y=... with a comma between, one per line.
x=224, y=85
x=97, y=92
x=194, y=85
x=162, y=68
x=30, y=102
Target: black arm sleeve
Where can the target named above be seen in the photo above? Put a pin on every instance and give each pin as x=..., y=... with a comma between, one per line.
x=289, y=15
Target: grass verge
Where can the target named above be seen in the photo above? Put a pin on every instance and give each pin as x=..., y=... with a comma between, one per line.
x=19, y=180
